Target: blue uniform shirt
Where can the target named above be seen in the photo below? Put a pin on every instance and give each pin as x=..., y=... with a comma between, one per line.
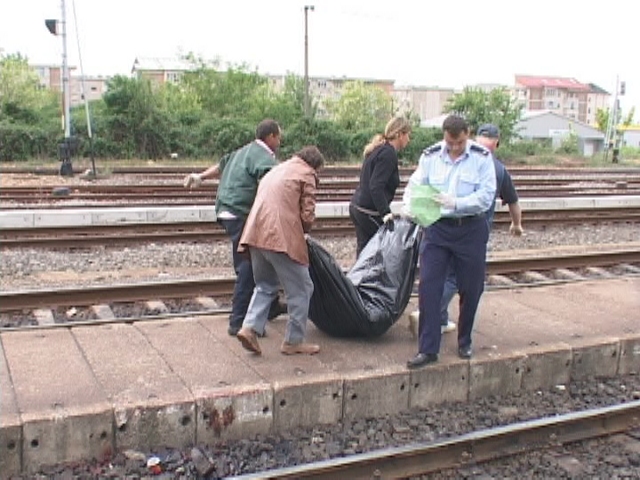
x=471, y=179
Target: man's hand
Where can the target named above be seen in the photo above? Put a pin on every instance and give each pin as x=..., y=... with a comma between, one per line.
x=193, y=180
x=387, y=218
x=446, y=200
x=515, y=230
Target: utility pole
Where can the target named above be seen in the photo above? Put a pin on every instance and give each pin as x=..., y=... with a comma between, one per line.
x=307, y=104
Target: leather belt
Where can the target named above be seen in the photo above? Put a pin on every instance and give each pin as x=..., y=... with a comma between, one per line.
x=459, y=221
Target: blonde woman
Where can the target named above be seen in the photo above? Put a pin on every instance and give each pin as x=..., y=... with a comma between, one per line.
x=379, y=179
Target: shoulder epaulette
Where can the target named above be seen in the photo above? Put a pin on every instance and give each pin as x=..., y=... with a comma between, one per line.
x=480, y=149
x=432, y=149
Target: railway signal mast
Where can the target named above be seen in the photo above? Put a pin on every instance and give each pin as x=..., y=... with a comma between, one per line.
x=68, y=147
x=612, y=138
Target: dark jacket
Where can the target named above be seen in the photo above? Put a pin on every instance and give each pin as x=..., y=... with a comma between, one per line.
x=240, y=172
x=379, y=179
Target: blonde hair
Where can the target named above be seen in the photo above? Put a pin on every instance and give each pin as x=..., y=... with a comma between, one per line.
x=394, y=128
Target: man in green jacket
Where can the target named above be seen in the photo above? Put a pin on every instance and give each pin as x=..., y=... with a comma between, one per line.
x=239, y=173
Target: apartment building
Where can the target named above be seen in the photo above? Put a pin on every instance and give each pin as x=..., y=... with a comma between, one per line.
x=426, y=102
x=597, y=99
x=323, y=88
x=565, y=96
x=162, y=70
x=94, y=88
x=50, y=77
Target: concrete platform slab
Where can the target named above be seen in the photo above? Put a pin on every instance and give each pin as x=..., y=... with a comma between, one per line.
x=64, y=411
x=10, y=424
x=151, y=404
x=440, y=383
x=206, y=213
x=199, y=384
x=629, y=355
x=495, y=376
x=216, y=377
x=546, y=366
x=367, y=394
x=303, y=403
x=595, y=358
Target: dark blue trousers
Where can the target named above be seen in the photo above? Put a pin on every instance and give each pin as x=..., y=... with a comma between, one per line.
x=464, y=246
x=243, y=288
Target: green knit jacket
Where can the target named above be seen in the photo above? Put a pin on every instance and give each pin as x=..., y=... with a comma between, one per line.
x=240, y=172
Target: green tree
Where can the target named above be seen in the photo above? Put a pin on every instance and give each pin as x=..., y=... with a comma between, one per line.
x=30, y=124
x=22, y=100
x=135, y=117
x=479, y=106
x=602, y=118
x=360, y=107
x=229, y=93
x=628, y=119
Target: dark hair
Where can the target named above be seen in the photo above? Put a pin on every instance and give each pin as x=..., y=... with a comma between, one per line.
x=267, y=127
x=455, y=125
x=312, y=156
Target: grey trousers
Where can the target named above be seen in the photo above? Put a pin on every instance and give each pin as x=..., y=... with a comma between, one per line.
x=270, y=269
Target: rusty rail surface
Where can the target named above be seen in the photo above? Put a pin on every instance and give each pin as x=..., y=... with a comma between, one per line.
x=480, y=446
x=92, y=295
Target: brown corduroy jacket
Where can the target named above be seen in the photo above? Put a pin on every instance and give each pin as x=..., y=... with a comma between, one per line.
x=283, y=211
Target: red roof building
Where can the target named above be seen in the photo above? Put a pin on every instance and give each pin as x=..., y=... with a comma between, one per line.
x=564, y=96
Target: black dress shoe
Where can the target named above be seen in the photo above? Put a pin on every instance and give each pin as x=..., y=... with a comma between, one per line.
x=464, y=352
x=422, y=359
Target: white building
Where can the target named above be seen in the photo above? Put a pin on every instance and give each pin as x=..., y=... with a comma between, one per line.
x=543, y=124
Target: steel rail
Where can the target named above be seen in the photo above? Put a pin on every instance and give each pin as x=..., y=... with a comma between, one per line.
x=91, y=295
x=127, y=234
x=480, y=446
x=326, y=188
x=331, y=170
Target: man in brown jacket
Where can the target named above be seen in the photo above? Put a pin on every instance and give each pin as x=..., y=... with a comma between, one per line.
x=282, y=214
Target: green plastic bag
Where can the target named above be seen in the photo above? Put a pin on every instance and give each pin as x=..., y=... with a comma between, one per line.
x=423, y=207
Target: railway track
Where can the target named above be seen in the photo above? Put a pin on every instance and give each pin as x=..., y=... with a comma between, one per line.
x=90, y=195
x=476, y=447
x=330, y=171
x=522, y=270
x=126, y=234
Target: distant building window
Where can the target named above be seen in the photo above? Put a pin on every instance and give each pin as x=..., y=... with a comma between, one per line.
x=94, y=89
x=173, y=77
x=551, y=92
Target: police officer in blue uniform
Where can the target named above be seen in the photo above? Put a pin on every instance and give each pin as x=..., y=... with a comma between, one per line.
x=464, y=174
x=488, y=135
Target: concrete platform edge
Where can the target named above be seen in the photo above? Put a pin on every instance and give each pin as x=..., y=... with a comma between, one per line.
x=235, y=413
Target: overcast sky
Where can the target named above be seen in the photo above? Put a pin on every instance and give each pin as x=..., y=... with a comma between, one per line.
x=418, y=42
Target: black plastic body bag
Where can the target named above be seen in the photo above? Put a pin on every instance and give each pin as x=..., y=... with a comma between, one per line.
x=366, y=301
